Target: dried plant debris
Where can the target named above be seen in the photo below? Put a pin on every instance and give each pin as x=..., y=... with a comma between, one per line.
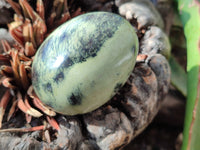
x=155, y=41
x=30, y=125
x=29, y=29
x=140, y=11
x=161, y=68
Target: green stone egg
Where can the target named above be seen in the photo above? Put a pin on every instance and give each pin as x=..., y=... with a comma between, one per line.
x=84, y=62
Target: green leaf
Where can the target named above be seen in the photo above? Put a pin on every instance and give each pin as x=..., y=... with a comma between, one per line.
x=178, y=76
x=189, y=12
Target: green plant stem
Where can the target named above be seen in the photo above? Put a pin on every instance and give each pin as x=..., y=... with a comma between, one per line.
x=189, y=11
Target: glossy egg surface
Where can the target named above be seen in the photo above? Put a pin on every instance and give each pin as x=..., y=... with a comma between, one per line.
x=84, y=62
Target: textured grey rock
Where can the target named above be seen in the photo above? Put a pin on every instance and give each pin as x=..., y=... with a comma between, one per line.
x=155, y=41
x=142, y=11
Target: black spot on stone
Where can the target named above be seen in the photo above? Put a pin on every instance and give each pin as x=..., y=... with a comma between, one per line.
x=48, y=88
x=118, y=74
x=90, y=46
x=50, y=104
x=35, y=74
x=92, y=84
x=44, y=49
x=117, y=87
x=134, y=48
x=79, y=59
x=59, y=77
x=93, y=55
x=87, y=46
x=68, y=62
x=75, y=98
x=63, y=38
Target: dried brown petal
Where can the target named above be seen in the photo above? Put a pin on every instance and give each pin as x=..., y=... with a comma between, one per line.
x=40, y=9
x=29, y=49
x=6, y=46
x=42, y=107
x=12, y=109
x=4, y=59
x=3, y=103
x=26, y=108
x=27, y=10
x=23, y=76
x=6, y=71
x=15, y=6
x=53, y=123
x=7, y=82
x=15, y=66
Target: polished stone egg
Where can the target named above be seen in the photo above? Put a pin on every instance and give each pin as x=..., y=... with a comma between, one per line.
x=84, y=62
